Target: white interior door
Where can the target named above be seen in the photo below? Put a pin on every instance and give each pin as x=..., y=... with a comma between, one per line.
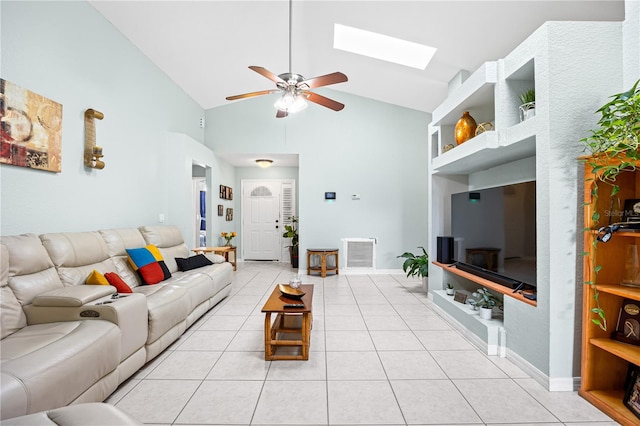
x=261, y=233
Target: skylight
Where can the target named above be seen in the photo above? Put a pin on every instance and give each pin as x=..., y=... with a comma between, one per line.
x=383, y=47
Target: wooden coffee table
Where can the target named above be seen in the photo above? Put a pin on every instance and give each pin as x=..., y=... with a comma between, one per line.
x=287, y=320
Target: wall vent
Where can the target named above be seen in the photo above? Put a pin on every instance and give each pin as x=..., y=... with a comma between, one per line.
x=359, y=253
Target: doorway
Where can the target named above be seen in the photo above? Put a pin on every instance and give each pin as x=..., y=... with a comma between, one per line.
x=264, y=205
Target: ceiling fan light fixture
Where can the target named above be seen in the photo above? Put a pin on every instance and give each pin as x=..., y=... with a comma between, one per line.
x=291, y=103
x=264, y=163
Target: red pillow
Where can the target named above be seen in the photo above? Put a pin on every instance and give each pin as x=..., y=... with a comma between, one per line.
x=115, y=280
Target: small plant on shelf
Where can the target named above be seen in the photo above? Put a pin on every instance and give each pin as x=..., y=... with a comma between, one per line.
x=484, y=299
x=528, y=96
x=617, y=138
x=527, y=104
x=449, y=289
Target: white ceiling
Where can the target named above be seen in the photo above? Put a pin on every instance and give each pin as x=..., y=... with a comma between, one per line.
x=206, y=46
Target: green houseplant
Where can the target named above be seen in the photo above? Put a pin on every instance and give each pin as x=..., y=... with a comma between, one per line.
x=616, y=138
x=416, y=265
x=485, y=301
x=527, y=107
x=291, y=231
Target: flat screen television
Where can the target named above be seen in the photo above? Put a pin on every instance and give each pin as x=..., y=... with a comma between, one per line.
x=494, y=232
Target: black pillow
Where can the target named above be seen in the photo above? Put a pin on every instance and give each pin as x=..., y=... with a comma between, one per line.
x=193, y=262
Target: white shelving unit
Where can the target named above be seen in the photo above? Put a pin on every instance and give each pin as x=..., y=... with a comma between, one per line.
x=487, y=334
x=570, y=83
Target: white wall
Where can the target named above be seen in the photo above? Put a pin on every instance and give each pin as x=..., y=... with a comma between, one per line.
x=68, y=52
x=631, y=43
x=370, y=148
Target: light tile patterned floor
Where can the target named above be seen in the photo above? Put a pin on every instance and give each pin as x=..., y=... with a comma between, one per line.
x=379, y=356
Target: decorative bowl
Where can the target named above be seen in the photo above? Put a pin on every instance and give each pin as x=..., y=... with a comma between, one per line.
x=291, y=292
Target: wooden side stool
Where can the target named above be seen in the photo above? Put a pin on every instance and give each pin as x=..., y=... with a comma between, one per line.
x=322, y=253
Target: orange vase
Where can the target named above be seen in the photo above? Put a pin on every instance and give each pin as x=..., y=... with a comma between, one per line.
x=465, y=128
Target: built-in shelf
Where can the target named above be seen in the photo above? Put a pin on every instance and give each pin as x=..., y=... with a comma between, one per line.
x=489, y=149
x=477, y=92
x=486, y=334
x=485, y=283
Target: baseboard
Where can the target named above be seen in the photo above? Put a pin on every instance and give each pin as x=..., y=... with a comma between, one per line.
x=347, y=271
x=556, y=384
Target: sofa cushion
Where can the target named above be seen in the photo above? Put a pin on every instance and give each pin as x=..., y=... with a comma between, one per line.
x=168, y=305
x=30, y=269
x=149, y=263
x=76, y=254
x=193, y=262
x=12, y=316
x=50, y=365
x=115, y=280
x=89, y=414
x=215, y=258
x=170, y=242
x=96, y=278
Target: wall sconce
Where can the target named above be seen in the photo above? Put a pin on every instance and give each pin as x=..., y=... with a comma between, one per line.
x=264, y=163
x=92, y=152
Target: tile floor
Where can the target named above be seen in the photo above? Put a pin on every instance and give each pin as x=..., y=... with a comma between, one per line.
x=379, y=356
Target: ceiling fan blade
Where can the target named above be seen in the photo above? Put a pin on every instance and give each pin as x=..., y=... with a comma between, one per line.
x=281, y=114
x=325, y=102
x=266, y=73
x=323, y=80
x=252, y=94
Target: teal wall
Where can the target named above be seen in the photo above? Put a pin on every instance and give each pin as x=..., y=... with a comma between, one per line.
x=68, y=52
x=370, y=148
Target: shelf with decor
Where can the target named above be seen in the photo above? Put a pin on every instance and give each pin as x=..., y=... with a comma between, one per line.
x=485, y=283
x=505, y=138
x=606, y=357
x=491, y=331
x=538, y=147
x=475, y=95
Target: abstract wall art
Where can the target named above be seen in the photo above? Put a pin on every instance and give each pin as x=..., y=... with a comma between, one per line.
x=30, y=129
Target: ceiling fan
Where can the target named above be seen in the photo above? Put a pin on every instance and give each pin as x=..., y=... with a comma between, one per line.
x=295, y=88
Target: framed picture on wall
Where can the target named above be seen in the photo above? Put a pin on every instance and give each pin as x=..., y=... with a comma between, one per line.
x=220, y=210
x=229, y=214
x=222, y=191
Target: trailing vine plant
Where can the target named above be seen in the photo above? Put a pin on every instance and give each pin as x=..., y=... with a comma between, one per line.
x=618, y=138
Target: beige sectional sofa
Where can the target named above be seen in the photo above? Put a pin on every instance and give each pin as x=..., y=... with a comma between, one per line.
x=64, y=342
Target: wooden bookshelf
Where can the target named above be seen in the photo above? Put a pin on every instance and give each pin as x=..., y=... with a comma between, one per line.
x=605, y=361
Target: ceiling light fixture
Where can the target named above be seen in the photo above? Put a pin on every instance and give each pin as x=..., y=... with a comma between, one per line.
x=291, y=100
x=383, y=47
x=264, y=163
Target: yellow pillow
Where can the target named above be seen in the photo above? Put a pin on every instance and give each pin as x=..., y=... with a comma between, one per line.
x=97, y=278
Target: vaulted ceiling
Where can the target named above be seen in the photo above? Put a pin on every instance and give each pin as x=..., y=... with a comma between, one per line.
x=206, y=46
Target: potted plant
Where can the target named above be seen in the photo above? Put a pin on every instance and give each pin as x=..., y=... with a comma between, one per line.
x=291, y=231
x=617, y=137
x=417, y=265
x=527, y=104
x=449, y=289
x=485, y=301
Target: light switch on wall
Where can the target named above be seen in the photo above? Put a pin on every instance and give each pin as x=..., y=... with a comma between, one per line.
x=161, y=217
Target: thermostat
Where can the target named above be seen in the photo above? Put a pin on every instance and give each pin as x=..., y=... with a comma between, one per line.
x=329, y=195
